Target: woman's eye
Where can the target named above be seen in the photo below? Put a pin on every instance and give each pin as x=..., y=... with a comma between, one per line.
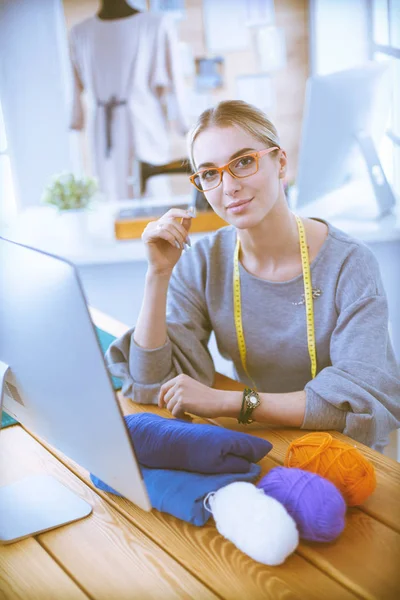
x=210, y=174
x=245, y=161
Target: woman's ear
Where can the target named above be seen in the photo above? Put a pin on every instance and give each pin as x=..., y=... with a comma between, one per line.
x=282, y=164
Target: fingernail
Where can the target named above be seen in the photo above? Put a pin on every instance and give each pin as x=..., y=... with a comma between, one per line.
x=187, y=247
x=177, y=244
x=189, y=243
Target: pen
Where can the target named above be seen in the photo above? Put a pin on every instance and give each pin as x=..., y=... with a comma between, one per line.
x=192, y=211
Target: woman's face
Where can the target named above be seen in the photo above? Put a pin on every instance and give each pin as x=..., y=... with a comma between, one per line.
x=245, y=202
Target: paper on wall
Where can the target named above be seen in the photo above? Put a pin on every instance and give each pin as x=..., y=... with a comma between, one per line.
x=270, y=48
x=257, y=90
x=224, y=25
x=260, y=12
x=175, y=8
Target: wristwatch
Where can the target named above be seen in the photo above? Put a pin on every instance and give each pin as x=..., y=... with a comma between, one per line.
x=251, y=400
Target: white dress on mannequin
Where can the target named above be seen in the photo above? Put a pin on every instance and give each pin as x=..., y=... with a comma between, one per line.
x=126, y=67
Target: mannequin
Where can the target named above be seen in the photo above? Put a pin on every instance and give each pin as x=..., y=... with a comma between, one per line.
x=115, y=9
x=126, y=61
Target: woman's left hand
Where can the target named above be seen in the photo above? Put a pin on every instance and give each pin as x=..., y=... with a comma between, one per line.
x=183, y=394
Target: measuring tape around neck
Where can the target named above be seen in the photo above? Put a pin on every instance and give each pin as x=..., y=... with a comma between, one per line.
x=237, y=304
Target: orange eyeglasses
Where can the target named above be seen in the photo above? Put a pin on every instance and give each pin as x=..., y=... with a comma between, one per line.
x=240, y=167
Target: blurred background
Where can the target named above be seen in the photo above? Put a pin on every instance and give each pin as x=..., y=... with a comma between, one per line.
x=257, y=50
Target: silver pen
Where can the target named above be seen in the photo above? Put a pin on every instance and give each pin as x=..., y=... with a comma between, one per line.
x=192, y=211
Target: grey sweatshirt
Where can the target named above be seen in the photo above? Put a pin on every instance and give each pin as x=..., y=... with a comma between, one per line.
x=357, y=387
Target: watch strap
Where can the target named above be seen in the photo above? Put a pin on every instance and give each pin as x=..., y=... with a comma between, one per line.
x=247, y=408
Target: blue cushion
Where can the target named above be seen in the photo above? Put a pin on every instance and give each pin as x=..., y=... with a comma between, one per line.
x=181, y=493
x=178, y=444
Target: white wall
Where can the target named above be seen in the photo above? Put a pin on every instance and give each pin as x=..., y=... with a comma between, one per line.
x=338, y=35
x=33, y=70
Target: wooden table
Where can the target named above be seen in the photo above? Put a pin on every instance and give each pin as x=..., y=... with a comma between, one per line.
x=121, y=552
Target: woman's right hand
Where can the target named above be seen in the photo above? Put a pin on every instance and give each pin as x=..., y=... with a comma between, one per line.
x=166, y=238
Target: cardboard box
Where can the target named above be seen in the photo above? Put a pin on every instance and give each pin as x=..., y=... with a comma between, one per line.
x=132, y=228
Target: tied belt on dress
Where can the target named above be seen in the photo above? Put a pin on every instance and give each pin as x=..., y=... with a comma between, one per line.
x=109, y=110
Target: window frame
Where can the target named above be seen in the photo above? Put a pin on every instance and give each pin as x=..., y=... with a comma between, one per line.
x=8, y=204
x=391, y=52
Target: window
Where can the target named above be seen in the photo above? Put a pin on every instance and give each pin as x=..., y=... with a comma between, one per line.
x=8, y=207
x=384, y=18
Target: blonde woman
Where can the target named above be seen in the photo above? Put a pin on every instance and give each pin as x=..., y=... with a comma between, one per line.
x=297, y=305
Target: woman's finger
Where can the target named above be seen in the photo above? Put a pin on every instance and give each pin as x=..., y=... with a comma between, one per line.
x=178, y=412
x=158, y=229
x=161, y=233
x=177, y=229
x=166, y=235
x=169, y=395
x=163, y=390
x=161, y=393
x=175, y=407
x=186, y=223
x=170, y=404
x=178, y=213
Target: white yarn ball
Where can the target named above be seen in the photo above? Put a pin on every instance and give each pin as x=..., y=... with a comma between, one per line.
x=257, y=524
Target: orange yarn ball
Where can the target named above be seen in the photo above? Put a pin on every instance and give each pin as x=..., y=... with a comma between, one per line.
x=337, y=461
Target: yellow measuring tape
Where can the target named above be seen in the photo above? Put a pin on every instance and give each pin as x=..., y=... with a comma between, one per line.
x=237, y=303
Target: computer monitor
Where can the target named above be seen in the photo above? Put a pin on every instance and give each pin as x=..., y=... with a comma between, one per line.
x=345, y=116
x=53, y=378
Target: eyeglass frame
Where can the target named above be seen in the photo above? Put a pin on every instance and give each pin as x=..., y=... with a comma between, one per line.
x=257, y=155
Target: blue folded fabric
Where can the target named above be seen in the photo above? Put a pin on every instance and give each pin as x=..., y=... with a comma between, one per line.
x=178, y=444
x=180, y=493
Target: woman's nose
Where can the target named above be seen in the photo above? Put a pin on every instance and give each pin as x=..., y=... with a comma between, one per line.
x=230, y=184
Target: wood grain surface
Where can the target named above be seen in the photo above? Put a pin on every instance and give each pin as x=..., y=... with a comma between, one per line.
x=223, y=568
x=28, y=572
x=104, y=554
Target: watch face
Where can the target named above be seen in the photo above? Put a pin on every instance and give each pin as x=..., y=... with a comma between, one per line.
x=252, y=399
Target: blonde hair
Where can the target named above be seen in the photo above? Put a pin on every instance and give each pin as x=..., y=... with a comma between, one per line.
x=230, y=113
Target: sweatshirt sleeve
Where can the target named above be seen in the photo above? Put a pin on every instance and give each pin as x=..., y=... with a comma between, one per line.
x=359, y=393
x=186, y=349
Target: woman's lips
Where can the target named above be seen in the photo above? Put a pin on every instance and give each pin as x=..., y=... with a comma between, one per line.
x=239, y=206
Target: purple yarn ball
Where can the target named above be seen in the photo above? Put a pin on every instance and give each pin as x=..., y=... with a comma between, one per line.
x=315, y=504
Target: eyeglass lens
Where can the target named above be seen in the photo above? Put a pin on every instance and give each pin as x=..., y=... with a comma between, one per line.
x=241, y=167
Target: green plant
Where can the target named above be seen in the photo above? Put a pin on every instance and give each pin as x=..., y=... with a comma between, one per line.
x=67, y=192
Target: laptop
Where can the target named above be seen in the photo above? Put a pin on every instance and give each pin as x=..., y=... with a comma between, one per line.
x=53, y=377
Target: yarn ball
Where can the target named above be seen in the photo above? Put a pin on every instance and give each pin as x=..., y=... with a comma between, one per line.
x=338, y=461
x=258, y=525
x=315, y=504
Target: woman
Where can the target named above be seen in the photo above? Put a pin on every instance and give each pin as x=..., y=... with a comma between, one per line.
x=262, y=317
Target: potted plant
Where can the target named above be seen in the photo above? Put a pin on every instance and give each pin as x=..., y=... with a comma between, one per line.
x=71, y=196
x=66, y=192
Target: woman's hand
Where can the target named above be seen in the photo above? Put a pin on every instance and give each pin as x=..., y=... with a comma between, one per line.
x=184, y=394
x=166, y=238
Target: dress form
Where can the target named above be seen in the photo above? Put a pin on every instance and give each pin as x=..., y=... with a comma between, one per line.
x=115, y=9
x=124, y=62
